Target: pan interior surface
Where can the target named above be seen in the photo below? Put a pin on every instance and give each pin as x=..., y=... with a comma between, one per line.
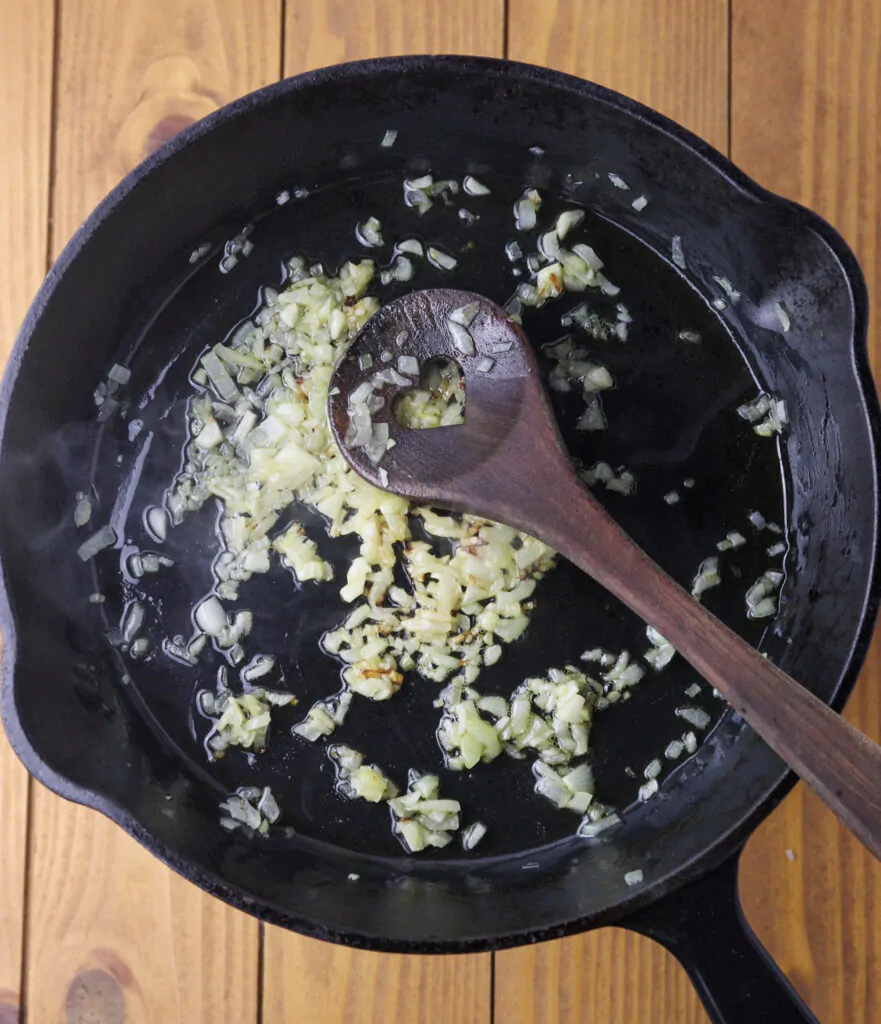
x=139, y=747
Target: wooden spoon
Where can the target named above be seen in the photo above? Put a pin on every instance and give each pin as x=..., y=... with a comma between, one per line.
x=507, y=463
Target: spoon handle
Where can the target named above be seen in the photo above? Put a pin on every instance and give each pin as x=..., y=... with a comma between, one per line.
x=836, y=760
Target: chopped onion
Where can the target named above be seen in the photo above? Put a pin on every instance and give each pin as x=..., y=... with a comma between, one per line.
x=568, y=220
x=219, y=376
x=268, y=806
x=589, y=829
x=633, y=877
x=473, y=187
x=408, y=365
x=672, y=497
x=694, y=716
x=472, y=835
x=156, y=522
x=762, y=596
x=140, y=648
x=674, y=750
x=199, y=252
x=465, y=315
x=132, y=621
x=648, y=790
x=618, y=181
x=731, y=292
x=640, y=203
x=412, y=246
x=388, y=139
x=442, y=260
x=549, y=246
x=418, y=199
x=691, y=336
x=261, y=665
x=486, y=364
x=707, y=577
x=425, y=182
x=525, y=216
x=82, y=512
x=210, y=616
x=368, y=233
x=677, y=252
x=283, y=197
x=782, y=316
x=513, y=251
x=363, y=391
x=461, y=338
x=104, y=538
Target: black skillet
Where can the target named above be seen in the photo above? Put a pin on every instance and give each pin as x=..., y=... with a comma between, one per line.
x=123, y=737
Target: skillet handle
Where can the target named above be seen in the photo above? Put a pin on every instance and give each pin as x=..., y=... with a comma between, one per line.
x=703, y=926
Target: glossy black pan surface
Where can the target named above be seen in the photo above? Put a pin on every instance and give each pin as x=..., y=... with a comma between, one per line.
x=124, y=290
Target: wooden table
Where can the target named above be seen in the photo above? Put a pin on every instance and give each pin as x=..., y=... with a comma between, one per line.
x=92, y=928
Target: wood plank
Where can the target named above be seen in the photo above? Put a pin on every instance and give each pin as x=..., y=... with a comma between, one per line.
x=336, y=31
x=303, y=979
x=108, y=925
x=806, y=122
x=669, y=54
x=310, y=982
x=674, y=57
x=25, y=71
x=611, y=976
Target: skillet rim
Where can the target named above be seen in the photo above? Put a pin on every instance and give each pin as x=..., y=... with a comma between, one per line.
x=725, y=844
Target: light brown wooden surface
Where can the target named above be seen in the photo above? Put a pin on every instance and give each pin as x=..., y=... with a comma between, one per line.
x=301, y=976
x=669, y=54
x=317, y=34
x=308, y=982
x=806, y=122
x=105, y=921
x=25, y=69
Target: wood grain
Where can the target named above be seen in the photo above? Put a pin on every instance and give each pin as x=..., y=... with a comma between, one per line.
x=25, y=71
x=670, y=54
x=317, y=34
x=305, y=980
x=111, y=931
x=610, y=976
x=150, y=70
x=806, y=122
x=310, y=982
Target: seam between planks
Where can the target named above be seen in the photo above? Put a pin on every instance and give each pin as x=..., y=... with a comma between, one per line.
x=47, y=264
x=730, y=97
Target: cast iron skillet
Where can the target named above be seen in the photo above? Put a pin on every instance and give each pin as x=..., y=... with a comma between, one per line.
x=124, y=290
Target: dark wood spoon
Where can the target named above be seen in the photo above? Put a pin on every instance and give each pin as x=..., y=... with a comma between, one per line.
x=507, y=463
